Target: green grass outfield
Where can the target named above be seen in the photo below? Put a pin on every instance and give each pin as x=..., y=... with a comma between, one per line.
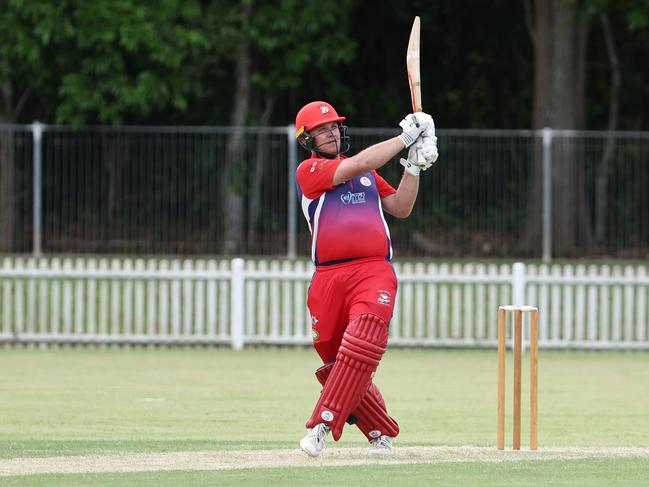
x=108, y=402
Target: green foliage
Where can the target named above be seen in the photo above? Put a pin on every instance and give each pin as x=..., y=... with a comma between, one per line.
x=292, y=37
x=105, y=58
x=27, y=30
x=635, y=12
x=130, y=61
x=637, y=15
x=134, y=56
x=111, y=61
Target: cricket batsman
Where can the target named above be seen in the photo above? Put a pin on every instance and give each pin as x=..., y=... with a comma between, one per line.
x=352, y=293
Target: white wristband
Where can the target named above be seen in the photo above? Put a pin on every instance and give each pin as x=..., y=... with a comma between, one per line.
x=406, y=139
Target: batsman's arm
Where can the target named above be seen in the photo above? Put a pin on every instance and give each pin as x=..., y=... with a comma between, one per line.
x=367, y=160
x=377, y=155
x=400, y=204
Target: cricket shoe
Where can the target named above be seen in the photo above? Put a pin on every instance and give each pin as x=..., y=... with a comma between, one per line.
x=314, y=441
x=381, y=445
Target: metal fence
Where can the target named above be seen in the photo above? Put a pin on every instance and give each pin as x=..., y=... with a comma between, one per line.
x=164, y=190
x=160, y=301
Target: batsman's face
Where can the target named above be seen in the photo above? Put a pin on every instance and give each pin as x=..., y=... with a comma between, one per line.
x=327, y=137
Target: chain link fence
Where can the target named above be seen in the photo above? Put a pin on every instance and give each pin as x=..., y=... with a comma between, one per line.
x=230, y=191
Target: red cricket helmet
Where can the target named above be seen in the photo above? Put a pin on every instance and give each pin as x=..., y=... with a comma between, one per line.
x=314, y=114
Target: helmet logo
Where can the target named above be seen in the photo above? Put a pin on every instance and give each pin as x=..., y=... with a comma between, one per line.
x=324, y=109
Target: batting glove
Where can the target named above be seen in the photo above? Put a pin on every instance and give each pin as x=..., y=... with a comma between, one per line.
x=411, y=165
x=426, y=121
x=411, y=130
x=429, y=149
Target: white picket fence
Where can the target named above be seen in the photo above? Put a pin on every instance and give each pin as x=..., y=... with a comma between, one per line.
x=158, y=301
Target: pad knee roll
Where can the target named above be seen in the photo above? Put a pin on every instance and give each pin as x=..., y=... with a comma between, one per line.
x=362, y=347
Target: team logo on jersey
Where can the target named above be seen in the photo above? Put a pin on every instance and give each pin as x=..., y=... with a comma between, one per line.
x=315, y=335
x=365, y=181
x=352, y=198
x=317, y=164
x=384, y=297
x=324, y=109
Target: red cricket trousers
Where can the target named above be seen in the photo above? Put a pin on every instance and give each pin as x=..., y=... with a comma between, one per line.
x=340, y=292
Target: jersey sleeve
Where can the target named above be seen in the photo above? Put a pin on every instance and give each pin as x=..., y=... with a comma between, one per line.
x=315, y=176
x=385, y=189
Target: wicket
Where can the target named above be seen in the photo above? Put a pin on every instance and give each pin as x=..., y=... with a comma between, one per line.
x=534, y=346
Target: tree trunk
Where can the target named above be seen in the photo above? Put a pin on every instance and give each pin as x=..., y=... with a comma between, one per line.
x=7, y=174
x=601, y=180
x=233, y=185
x=559, y=90
x=115, y=155
x=254, y=201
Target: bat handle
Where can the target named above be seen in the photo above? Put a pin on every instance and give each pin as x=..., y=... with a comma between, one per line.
x=421, y=161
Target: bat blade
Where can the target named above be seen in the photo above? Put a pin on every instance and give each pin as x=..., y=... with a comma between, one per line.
x=412, y=64
x=414, y=78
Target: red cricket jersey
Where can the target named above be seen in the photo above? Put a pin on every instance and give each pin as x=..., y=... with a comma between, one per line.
x=346, y=221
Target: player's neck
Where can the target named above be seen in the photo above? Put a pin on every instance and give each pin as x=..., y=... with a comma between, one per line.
x=325, y=155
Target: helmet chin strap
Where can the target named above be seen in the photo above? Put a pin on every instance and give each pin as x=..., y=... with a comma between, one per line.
x=327, y=155
x=340, y=148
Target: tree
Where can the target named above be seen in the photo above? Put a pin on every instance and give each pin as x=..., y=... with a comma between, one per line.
x=560, y=45
x=636, y=17
x=133, y=57
x=25, y=31
x=278, y=42
x=97, y=61
x=560, y=39
x=245, y=62
x=602, y=171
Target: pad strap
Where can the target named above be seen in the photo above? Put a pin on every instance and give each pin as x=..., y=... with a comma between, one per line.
x=362, y=347
x=371, y=415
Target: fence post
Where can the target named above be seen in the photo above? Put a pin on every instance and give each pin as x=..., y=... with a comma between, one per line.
x=518, y=284
x=37, y=156
x=291, y=250
x=547, y=194
x=237, y=303
x=518, y=293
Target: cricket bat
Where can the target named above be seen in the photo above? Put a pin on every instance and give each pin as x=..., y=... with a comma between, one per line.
x=414, y=78
x=412, y=64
